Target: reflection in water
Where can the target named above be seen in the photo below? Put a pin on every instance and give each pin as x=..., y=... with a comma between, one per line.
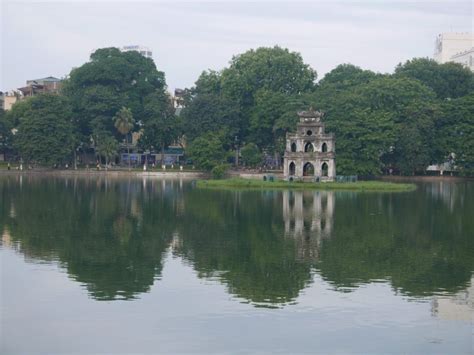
x=112, y=235
x=459, y=306
x=308, y=218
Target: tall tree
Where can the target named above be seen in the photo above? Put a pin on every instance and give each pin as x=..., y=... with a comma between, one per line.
x=108, y=148
x=448, y=80
x=110, y=80
x=207, y=151
x=5, y=133
x=455, y=133
x=160, y=126
x=45, y=131
x=124, y=123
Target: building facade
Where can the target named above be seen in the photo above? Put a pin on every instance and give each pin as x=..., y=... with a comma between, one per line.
x=144, y=51
x=449, y=46
x=8, y=99
x=49, y=84
x=310, y=152
x=465, y=58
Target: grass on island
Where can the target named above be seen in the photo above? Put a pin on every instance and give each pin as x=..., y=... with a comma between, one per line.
x=240, y=183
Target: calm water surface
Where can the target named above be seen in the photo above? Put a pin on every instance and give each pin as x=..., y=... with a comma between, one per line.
x=144, y=266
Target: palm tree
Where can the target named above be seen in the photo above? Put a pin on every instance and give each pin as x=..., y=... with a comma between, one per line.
x=124, y=123
x=108, y=148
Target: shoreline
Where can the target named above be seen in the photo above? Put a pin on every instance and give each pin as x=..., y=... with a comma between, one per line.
x=232, y=174
x=254, y=184
x=104, y=173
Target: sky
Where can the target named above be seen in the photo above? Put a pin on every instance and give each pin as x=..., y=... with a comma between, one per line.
x=49, y=38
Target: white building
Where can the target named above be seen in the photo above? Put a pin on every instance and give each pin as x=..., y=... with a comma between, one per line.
x=144, y=51
x=465, y=58
x=449, y=46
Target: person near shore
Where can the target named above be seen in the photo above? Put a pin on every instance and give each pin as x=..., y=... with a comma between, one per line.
x=8, y=166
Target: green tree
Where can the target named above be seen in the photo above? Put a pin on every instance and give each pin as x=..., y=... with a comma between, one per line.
x=251, y=155
x=207, y=109
x=455, y=133
x=273, y=69
x=160, y=125
x=108, y=148
x=346, y=76
x=124, y=123
x=207, y=151
x=45, y=130
x=448, y=80
x=5, y=133
x=376, y=123
x=272, y=116
x=109, y=81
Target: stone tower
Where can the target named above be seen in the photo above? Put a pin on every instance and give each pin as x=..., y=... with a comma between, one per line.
x=310, y=152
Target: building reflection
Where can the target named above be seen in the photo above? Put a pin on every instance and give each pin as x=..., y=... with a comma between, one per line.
x=308, y=218
x=459, y=306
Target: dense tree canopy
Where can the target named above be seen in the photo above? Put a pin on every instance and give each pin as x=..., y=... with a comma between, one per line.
x=45, y=132
x=455, y=133
x=238, y=100
x=109, y=81
x=5, y=133
x=448, y=80
x=399, y=123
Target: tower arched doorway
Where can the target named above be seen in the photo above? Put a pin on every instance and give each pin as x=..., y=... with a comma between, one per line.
x=292, y=168
x=293, y=147
x=308, y=169
x=324, y=148
x=325, y=170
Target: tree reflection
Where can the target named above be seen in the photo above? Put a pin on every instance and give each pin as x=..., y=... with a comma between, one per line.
x=111, y=235
x=94, y=229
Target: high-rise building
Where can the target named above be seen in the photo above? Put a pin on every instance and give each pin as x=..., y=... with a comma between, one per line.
x=144, y=51
x=454, y=47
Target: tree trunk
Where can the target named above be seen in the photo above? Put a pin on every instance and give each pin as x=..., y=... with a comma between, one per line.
x=128, y=152
x=162, y=154
x=75, y=160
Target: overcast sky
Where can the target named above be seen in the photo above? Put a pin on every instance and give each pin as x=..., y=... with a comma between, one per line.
x=49, y=38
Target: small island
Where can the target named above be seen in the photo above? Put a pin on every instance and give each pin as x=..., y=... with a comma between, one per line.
x=239, y=183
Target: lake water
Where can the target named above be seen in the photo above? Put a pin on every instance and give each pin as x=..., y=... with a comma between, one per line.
x=95, y=265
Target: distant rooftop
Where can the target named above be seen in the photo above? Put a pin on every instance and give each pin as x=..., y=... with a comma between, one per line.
x=49, y=79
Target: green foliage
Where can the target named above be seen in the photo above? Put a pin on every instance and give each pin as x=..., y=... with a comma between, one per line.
x=107, y=147
x=207, y=151
x=124, y=121
x=45, y=131
x=109, y=81
x=272, y=116
x=456, y=133
x=448, y=80
x=6, y=135
x=239, y=183
x=251, y=155
x=218, y=172
x=160, y=125
x=234, y=101
x=208, y=110
x=384, y=123
x=346, y=76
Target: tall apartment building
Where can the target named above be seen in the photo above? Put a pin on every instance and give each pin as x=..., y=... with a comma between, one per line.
x=144, y=51
x=455, y=47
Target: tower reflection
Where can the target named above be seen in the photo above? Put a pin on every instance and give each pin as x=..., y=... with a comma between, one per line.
x=308, y=218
